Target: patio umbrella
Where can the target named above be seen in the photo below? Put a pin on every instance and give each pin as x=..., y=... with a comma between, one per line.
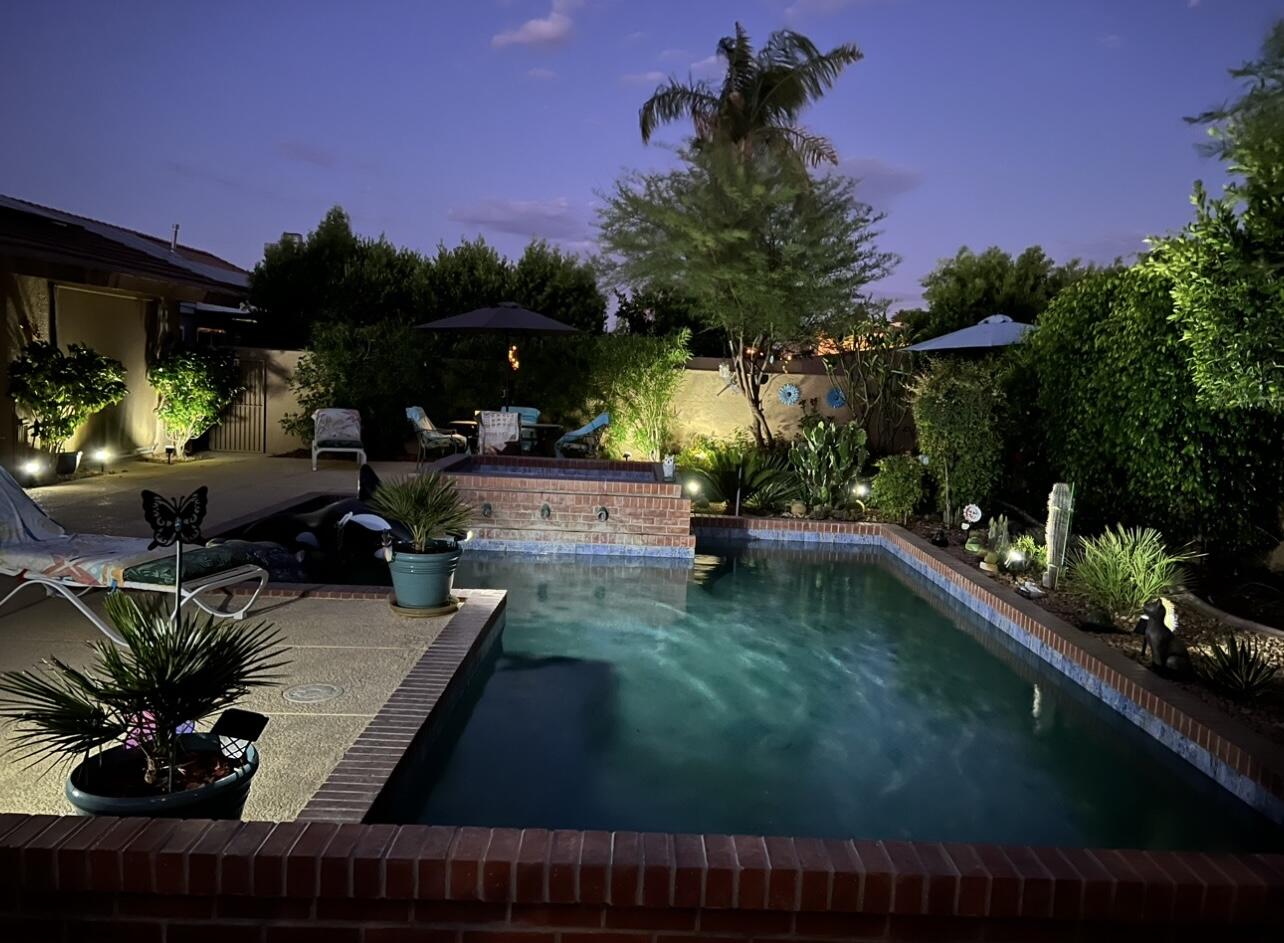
x=998, y=330
x=507, y=318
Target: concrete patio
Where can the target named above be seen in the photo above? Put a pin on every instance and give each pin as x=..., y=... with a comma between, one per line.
x=358, y=646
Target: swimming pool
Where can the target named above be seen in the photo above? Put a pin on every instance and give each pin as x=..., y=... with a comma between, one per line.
x=784, y=690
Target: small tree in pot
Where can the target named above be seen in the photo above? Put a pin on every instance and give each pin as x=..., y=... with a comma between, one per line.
x=429, y=507
x=59, y=392
x=132, y=713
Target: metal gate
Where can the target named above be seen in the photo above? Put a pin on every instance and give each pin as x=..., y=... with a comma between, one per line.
x=243, y=427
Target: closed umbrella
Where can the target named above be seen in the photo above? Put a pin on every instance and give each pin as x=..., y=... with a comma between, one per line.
x=998, y=330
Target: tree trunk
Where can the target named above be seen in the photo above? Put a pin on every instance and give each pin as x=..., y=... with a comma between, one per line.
x=750, y=371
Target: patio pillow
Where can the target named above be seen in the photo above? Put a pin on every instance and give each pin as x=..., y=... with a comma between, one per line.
x=197, y=562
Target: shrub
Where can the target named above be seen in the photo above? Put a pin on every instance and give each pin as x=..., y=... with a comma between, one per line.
x=377, y=369
x=194, y=387
x=827, y=457
x=1122, y=419
x=428, y=505
x=60, y=392
x=1239, y=667
x=1123, y=569
x=637, y=379
x=957, y=407
x=898, y=487
x=1033, y=551
x=763, y=477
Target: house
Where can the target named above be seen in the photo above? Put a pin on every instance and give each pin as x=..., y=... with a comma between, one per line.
x=74, y=280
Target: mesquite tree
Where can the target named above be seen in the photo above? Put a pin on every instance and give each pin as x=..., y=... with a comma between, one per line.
x=768, y=254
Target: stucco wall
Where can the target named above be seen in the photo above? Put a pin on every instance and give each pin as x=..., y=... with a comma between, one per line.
x=116, y=326
x=704, y=406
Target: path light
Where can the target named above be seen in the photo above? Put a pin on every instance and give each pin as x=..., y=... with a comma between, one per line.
x=102, y=457
x=693, y=486
x=32, y=468
x=1015, y=558
x=861, y=490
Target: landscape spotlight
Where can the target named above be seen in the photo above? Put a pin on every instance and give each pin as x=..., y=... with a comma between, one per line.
x=32, y=467
x=693, y=486
x=860, y=489
x=102, y=457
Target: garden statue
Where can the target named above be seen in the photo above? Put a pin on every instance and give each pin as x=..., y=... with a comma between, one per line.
x=1158, y=628
x=1057, y=532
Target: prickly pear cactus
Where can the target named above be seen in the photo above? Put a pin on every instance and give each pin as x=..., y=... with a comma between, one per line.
x=1057, y=532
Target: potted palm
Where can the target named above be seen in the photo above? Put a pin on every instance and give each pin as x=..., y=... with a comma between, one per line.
x=429, y=507
x=131, y=714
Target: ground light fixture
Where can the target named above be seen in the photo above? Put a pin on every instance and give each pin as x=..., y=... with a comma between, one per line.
x=32, y=468
x=102, y=457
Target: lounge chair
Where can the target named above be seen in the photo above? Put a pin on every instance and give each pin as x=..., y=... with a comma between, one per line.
x=530, y=415
x=584, y=441
x=498, y=432
x=337, y=430
x=430, y=437
x=36, y=549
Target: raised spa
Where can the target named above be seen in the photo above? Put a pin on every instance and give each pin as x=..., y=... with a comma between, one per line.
x=789, y=691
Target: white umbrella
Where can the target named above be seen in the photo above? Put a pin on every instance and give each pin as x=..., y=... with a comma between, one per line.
x=998, y=330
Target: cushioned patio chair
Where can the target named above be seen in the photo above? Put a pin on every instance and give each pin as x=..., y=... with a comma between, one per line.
x=337, y=430
x=530, y=415
x=498, y=433
x=430, y=437
x=39, y=552
x=584, y=441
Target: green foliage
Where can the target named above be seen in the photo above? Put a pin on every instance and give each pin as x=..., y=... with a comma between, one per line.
x=957, y=408
x=1032, y=550
x=898, y=487
x=998, y=538
x=656, y=312
x=872, y=369
x=763, y=477
x=428, y=505
x=559, y=285
x=1123, y=569
x=761, y=97
x=767, y=255
x=1121, y=418
x=378, y=369
x=169, y=673
x=636, y=378
x=828, y=457
x=1239, y=667
x=61, y=391
x=194, y=386
x=1226, y=267
x=962, y=290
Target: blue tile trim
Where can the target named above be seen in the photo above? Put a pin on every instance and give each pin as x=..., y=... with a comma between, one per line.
x=545, y=547
x=1239, y=785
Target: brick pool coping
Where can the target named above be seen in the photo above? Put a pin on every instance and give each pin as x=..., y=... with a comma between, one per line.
x=329, y=876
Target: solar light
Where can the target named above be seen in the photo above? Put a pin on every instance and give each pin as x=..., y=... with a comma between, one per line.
x=1015, y=558
x=693, y=486
x=32, y=467
x=102, y=456
x=169, y=455
x=860, y=489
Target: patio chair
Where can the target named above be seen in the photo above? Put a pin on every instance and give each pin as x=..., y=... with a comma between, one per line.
x=337, y=430
x=498, y=432
x=40, y=552
x=584, y=441
x=530, y=415
x=430, y=437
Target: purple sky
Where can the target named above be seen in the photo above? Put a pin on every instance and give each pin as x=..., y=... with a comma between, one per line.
x=983, y=122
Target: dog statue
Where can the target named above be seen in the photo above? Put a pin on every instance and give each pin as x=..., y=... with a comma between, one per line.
x=1158, y=629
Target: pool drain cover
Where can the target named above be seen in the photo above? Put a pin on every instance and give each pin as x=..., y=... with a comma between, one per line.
x=312, y=693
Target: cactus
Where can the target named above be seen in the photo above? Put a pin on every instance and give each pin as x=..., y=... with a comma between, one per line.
x=1057, y=532
x=999, y=540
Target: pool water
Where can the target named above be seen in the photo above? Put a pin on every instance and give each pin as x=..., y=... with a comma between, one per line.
x=793, y=692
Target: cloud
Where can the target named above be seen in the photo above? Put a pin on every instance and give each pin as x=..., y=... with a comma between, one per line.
x=541, y=31
x=668, y=55
x=543, y=75
x=305, y=153
x=1110, y=41
x=1191, y=4
x=707, y=67
x=654, y=77
x=554, y=219
x=878, y=181
x=636, y=36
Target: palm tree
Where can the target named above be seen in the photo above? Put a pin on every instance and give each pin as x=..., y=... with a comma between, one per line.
x=761, y=97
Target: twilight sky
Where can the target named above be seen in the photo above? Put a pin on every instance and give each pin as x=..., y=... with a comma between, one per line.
x=1005, y=122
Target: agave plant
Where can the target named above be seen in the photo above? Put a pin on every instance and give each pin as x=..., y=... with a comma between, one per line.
x=173, y=674
x=428, y=505
x=1240, y=668
x=762, y=477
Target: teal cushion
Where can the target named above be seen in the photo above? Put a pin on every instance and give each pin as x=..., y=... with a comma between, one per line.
x=197, y=562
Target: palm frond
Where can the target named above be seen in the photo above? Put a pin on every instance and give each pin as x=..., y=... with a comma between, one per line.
x=428, y=505
x=812, y=149
x=674, y=101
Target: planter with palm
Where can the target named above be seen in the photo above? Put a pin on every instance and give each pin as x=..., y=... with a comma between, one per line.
x=131, y=714
x=423, y=568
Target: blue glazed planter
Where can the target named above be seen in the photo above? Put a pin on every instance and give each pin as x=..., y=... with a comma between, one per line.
x=423, y=580
x=222, y=799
